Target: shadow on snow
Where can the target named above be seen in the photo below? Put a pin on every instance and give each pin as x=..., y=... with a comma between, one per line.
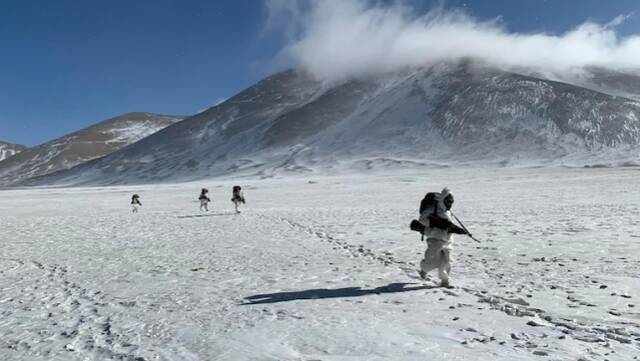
x=207, y=215
x=330, y=293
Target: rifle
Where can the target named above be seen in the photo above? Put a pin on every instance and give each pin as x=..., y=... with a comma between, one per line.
x=465, y=228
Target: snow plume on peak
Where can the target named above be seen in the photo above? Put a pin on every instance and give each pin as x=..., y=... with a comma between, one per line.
x=353, y=38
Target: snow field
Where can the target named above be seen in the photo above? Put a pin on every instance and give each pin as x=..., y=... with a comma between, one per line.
x=324, y=269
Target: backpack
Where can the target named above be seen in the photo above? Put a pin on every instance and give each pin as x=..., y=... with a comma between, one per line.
x=428, y=203
x=203, y=195
x=237, y=195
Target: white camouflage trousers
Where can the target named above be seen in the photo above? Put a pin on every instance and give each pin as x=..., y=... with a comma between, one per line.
x=437, y=255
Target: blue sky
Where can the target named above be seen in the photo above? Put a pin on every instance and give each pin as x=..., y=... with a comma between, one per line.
x=65, y=64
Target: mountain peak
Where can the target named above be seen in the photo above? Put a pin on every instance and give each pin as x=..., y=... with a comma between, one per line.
x=83, y=145
x=8, y=150
x=449, y=113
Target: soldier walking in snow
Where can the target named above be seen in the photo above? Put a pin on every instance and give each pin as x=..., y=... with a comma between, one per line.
x=439, y=229
x=135, y=203
x=204, y=199
x=238, y=197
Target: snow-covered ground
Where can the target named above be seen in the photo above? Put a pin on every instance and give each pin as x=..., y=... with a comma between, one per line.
x=324, y=269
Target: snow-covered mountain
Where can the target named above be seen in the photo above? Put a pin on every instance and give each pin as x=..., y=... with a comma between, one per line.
x=81, y=146
x=461, y=113
x=7, y=150
x=614, y=82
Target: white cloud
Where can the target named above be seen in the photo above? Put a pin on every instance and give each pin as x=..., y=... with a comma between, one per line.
x=346, y=38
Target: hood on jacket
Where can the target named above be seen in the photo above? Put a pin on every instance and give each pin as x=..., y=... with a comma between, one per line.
x=442, y=209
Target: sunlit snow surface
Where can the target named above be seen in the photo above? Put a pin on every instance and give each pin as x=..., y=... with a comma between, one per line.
x=324, y=269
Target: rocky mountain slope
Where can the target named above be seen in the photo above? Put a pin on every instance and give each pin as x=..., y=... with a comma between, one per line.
x=447, y=114
x=7, y=150
x=614, y=82
x=81, y=146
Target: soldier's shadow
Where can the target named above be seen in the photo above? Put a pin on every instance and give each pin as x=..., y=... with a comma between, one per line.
x=207, y=215
x=322, y=293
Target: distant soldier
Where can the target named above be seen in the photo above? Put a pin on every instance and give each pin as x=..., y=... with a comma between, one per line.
x=238, y=197
x=135, y=203
x=204, y=199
